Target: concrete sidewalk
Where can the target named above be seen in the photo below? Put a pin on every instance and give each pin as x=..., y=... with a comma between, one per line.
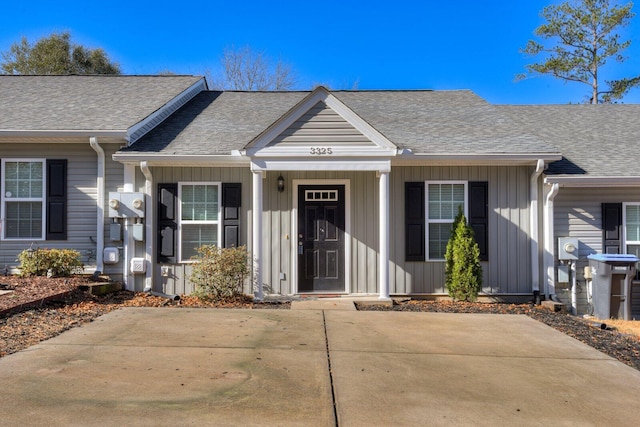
x=172, y=367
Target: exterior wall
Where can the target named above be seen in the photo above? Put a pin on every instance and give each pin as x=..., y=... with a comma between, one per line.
x=578, y=213
x=177, y=282
x=81, y=198
x=506, y=272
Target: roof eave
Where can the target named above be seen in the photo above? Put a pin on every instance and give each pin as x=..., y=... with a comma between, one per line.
x=593, y=181
x=409, y=159
x=182, y=160
x=63, y=133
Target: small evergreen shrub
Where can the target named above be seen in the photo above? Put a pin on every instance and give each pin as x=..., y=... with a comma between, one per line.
x=57, y=262
x=463, y=272
x=219, y=273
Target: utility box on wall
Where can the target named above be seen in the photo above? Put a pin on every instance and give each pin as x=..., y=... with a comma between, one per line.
x=126, y=205
x=568, y=248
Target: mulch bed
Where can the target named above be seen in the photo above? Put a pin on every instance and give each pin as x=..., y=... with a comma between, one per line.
x=625, y=348
x=40, y=308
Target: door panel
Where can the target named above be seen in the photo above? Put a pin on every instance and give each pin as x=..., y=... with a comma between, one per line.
x=321, y=224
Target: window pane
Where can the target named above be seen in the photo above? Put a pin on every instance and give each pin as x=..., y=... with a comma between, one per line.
x=200, y=202
x=23, y=220
x=196, y=235
x=438, y=238
x=633, y=223
x=445, y=200
x=23, y=179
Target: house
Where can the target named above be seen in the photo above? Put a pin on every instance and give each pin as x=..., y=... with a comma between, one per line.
x=332, y=192
x=57, y=137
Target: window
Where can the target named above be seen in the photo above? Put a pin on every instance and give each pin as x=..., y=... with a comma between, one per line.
x=23, y=199
x=631, y=223
x=199, y=217
x=443, y=201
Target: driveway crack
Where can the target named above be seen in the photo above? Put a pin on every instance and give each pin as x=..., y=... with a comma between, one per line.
x=333, y=392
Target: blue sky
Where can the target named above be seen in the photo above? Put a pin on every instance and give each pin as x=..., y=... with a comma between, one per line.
x=465, y=44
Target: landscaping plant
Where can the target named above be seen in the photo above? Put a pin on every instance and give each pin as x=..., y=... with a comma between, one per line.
x=53, y=262
x=219, y=273
x=463, y=272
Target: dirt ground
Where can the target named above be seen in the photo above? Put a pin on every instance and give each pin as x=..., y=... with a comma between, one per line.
x=39, y=308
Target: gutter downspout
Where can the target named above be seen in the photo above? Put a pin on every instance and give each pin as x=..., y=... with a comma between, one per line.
x=150, y=237
x=100, y=189
x=534, y=230
x=549, y=258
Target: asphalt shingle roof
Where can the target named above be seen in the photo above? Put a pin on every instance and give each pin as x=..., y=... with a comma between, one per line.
x=595, y=140
x=102, y=102
x=434, y=122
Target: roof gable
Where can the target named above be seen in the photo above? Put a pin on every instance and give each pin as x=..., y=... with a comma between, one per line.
x=320, y=121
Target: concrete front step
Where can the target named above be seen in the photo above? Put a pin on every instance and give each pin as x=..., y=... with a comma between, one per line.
x=101, y=288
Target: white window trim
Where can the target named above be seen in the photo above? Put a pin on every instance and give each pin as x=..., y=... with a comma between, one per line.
x=440, y=221
x=180, y=221
x=625, y=241
x=42, y=199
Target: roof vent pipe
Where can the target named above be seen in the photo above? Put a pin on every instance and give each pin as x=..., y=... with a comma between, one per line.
x=534, y=231
x=100, y=203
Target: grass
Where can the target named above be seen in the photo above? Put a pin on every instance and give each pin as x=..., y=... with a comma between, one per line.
x=631, y=327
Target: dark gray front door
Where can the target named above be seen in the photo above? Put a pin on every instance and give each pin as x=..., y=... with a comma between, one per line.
x=321, y=223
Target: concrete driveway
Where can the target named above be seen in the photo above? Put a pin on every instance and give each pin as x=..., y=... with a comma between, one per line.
x=174, y=367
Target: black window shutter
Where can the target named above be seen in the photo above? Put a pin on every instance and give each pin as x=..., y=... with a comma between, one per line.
x=231, y=201
x=612, y=228
x=56, y=199
x=479, y=215
x=167, y=225
x=414, y=221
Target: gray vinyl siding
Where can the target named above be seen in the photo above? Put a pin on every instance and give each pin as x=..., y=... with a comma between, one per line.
x=321, y=125
x=81, y=197
x=177, y=282
x=578, y=213
x=507, y=272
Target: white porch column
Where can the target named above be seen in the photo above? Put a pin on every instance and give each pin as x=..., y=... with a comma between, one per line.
x=384, y=234
x=257, y=232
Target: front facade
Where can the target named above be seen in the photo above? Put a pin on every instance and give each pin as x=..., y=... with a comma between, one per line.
x=339, y=193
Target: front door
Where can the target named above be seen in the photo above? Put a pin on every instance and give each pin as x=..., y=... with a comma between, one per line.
x=321, y=227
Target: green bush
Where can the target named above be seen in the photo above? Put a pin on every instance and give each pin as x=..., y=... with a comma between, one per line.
x=463, y=272
x=57, y=262
x=219, y=273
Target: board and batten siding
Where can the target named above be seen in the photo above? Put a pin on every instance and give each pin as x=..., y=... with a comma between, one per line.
x=507, y=272
x=177, y=282
x=578, y=213
x=81, y=197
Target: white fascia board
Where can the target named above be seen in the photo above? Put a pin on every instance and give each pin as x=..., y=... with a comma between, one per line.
x=280, y=125
x=474, y=159
x=593, y=181
x=173, y=105
x=335, y=151
x=182, y=160
x=305, y=164
x=63, y=133
x=319, y=94
x=357, y=122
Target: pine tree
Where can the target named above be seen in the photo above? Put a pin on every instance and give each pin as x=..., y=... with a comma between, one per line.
x=463, y=272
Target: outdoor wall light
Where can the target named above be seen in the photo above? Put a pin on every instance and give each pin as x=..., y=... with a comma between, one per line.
x=280, y=184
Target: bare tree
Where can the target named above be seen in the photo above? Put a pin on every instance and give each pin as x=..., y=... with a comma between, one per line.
x=250, y=70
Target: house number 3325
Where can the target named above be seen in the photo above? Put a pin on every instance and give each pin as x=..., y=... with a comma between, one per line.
x=320, y=151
